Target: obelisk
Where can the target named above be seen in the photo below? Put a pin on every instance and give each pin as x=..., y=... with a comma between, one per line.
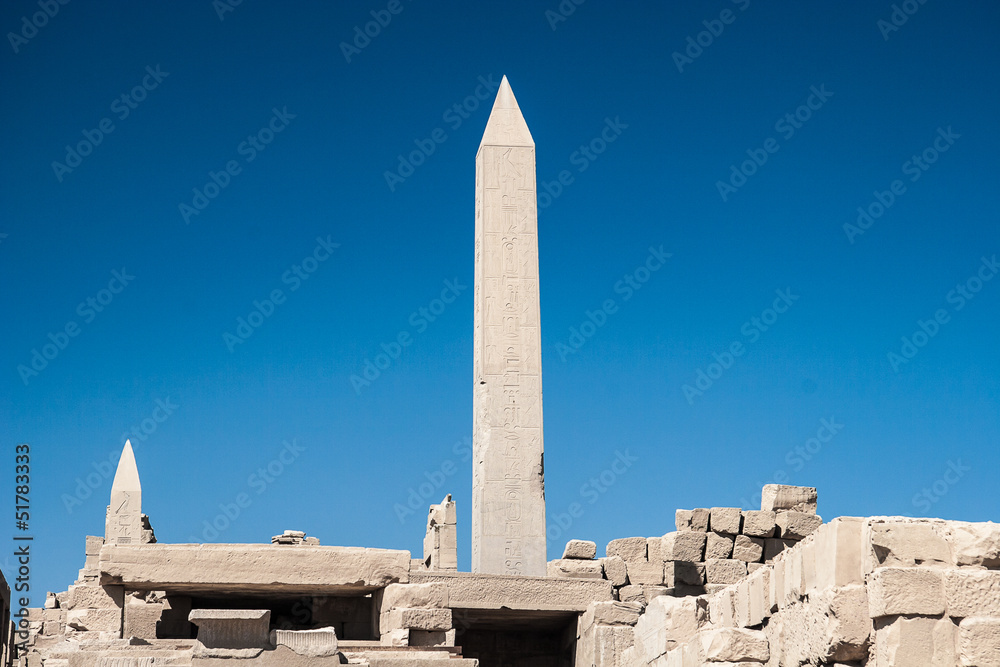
x=508, y=486
x=124, y=519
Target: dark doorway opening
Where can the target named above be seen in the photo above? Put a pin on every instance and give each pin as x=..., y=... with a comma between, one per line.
x=512, y=638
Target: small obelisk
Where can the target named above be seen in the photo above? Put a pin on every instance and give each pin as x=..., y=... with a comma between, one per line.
x=124, y=519
x=508, y=486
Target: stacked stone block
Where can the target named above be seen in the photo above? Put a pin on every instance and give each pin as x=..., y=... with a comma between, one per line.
x=878, y=592
x=711, y=548
x=416, y=615
x=720, y=546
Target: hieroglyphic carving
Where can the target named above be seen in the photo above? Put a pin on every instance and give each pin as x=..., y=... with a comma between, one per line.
x=123, y=524
x=508, y=489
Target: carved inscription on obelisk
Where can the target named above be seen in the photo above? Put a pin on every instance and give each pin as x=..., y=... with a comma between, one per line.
x=123, y=524
x=508, y=501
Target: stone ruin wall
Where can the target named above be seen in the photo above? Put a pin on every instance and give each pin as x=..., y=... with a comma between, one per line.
x=875, y=592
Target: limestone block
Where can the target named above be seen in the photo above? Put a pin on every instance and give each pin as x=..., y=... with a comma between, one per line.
x=774, y=546
x=469, y=590
x=318, y=643
x=631, y=593
x=796, y=525
x=759, y=523
x=653, y=549
x=726, y=520
x=668, y=623
x=753, y=567
x=741, y=603
x=904, y=542
x=615, y=570
x=582, y=549
x=232, y=628
x=94, y=596
x=776, y=594
x=718, y=546
x=398, y=637
x=611, y=613
x=415, y=619
x=979, y=642
x=611, y=643
x=972, y=593
x=848, y=625
x=734, y=645
x=724, y=571
x=95, y=620
x=721, y=609
x=902, y=590
x=748, y=549
x=793, y=575
x=687, y=546
x=838, y=554
x=258, y=568
x=94, y=544
x=976, y=544
x=807, y=551
x=927, y=642
x=777, y=497
x=759, y=584
x=426, y=596
x=650, y=592
x=642, y=572
x=677, y=573
x=141, y=619
x=629, y=549
x=696, y=519
x=580, y=569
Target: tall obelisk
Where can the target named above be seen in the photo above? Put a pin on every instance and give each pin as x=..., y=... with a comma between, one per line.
x=508, y=486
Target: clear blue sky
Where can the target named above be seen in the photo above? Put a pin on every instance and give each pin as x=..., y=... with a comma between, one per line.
x=213, y=411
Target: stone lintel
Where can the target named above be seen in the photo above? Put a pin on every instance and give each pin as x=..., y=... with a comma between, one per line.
x=501, y=591
x=253, y=568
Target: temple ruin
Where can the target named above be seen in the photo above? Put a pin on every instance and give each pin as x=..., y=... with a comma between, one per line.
x=724, y=586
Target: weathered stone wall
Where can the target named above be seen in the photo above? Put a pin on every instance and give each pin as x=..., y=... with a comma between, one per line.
x=711, y=548
x=877, y=592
